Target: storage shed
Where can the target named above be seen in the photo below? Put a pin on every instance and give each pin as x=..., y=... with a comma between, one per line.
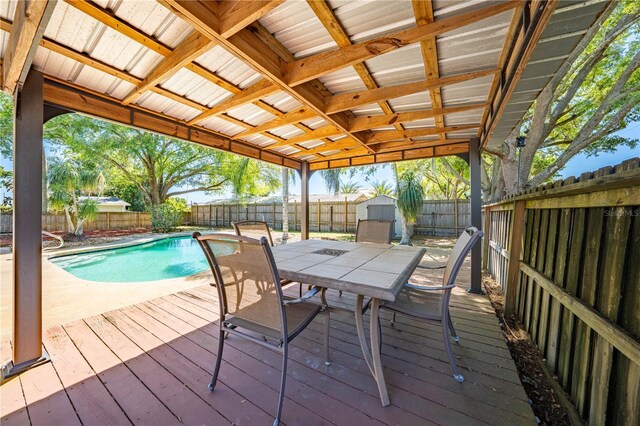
x=381, y=207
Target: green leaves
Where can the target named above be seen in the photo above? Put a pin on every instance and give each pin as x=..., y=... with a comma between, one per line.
x=410, y=196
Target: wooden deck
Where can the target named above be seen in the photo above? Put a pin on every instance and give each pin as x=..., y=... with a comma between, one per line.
x=150, y=364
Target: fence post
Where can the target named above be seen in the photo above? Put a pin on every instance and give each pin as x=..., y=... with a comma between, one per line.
x=487, y=237
x=319, y=228
x=346, y=214
x=295, y=214
x=331, y=219
x=137, y=219
x=108, y=220
x=274, y=215
x=455, y=214
x=515, y=248
x=223, y=225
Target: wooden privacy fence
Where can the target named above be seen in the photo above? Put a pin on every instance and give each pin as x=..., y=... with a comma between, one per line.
x=106, y=220
x=443, y=218
x=323, y=216
x=567, y=256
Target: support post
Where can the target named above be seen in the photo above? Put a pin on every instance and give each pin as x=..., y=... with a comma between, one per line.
x=487, y=237
x=28, y=118
x=305, y=174
x=516, y=242
x=476, y=213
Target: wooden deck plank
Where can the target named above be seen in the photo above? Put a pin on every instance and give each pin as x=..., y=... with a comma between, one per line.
x=317, y=403
x=443, y=411
x=91, y=400
x=312, y=372
x=138, y=402
x=191, y=374
x=250, y=388
x=174, y=394
x=205, y=302
x=12, y=404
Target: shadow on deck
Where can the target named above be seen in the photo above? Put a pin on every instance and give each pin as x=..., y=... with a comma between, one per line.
x=150, y=364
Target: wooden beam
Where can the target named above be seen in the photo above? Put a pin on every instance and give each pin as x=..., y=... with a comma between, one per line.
x=423, y=11
x=394, y=146
x=235, y=15
x=392, y=135
x=65, y=95
x=263, y=57
x=321, y=132
x=315, y=66
x=192, y=47
x=30, y=20
x=325, y=14
x=299, y=114
x=259, y=90
x=345, y=143
x=372, y=121
x=346, y=101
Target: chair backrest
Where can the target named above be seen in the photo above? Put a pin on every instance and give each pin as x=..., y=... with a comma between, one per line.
x=247, y=281
x=460, y=251
x=253, y=229
x=374, y=231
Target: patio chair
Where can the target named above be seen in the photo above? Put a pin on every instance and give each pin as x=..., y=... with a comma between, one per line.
x=253, y=229
x=251, y=302
x=373, y=231
x=432, y=303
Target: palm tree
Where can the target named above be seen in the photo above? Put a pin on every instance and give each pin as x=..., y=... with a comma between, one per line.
x=410, y=200
x=381, y=188
x=287, y=175
x=331, y=179
x=349, y=187
x=75, y=190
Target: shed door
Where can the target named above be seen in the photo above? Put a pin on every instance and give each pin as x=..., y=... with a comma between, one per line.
x=381, y=211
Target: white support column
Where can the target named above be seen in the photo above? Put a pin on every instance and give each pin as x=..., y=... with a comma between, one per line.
x=476, y=213
x=305, y=174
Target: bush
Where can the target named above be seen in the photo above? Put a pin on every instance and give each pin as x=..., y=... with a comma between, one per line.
x=165, y=218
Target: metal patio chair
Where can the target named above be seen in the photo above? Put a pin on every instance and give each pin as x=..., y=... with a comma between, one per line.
x=251, y=302
x=373, y=231
x=432, y=303
x=253, y=229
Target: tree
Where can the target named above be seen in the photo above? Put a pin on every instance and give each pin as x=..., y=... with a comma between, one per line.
x=331, y=178
x=248, y=177
x=595, y=93
x=444, y=178
x=287, y=176
x=381, y=188
x=349, y=187
x=410, y=200
x=75, y=188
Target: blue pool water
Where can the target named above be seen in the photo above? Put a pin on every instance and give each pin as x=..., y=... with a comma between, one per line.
x=157, y=260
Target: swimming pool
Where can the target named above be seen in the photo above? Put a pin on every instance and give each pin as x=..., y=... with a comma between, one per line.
x=157, y=260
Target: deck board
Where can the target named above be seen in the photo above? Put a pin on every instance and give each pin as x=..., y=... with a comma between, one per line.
x=150, y=364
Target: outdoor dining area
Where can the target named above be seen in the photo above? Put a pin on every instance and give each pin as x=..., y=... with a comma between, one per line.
x=316, y=331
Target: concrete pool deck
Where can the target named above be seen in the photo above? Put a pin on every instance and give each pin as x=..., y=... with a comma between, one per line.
x=67, y=298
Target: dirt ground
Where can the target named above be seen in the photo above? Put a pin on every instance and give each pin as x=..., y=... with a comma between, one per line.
x=544, y=400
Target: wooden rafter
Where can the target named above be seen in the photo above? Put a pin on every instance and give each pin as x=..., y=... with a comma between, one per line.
x=345, y=101
x=30, y=20
x=193, y=46
x=235, y=15
x=315, y=66
x=262, y=57
x=373, y=121
x=334, y=28
x=291, y=117
x=423, y=11
x=394, y=146
x=322, y=132
x=394, y=135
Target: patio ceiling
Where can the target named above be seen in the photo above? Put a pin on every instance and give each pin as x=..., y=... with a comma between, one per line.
x=334, y=84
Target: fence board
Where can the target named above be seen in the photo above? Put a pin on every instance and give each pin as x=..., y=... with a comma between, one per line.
x=105, y=220
x=578, y=290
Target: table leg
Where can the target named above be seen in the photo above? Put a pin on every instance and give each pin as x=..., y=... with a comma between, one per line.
x=372, y=356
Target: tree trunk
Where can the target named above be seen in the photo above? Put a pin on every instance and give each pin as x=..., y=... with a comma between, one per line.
x=406, y=233
x=79, y=228
x=45, y=195
x=285, y=204
x=71, y=229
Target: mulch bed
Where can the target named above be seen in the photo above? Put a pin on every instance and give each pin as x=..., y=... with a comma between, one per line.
x=542, y=396
x=91, y=237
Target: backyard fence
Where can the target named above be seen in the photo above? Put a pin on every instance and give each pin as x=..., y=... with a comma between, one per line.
x=439, y=218
x=323, y=216
x=443, y=218
x=567, y=256
x=106, y=220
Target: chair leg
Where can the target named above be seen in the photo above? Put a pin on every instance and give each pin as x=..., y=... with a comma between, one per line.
x=393, y=320
x=339, y=293
x=455, y=336
x=327, y=327
x=447, y=345
x=380, y=334
x=214, y=379
x=283, y=379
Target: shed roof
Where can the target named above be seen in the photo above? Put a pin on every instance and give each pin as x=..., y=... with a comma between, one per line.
x=334, y=83
x=323, y=198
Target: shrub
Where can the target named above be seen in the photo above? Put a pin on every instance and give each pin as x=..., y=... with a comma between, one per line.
x=165, y=218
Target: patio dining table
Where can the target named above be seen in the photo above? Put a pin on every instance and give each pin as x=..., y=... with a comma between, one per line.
x=376, y=271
